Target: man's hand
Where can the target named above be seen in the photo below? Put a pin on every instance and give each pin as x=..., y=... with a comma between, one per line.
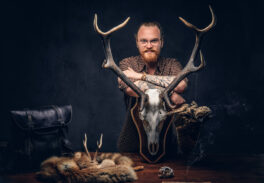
x=130, y=73
x=177, y=99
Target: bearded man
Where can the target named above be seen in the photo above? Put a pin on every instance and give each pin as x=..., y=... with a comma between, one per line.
x=148, y=70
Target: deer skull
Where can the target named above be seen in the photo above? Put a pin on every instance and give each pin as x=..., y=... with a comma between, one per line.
x=153, y=115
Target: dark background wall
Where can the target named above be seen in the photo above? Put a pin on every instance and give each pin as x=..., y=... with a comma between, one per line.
x=50, y=54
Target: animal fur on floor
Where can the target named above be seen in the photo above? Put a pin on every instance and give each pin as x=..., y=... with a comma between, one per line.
x=108, y=167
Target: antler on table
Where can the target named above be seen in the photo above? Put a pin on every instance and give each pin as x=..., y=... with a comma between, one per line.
x=85, y=147
x=99, y=145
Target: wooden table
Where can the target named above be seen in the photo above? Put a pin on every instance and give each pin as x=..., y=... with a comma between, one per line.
x=213, y=169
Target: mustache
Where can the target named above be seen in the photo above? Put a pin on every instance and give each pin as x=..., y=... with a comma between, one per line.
x=150, y=51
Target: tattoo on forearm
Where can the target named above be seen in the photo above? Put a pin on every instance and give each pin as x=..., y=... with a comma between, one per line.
x=143, y=85
x=162, y=81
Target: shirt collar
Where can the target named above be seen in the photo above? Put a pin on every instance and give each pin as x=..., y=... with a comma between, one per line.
x=142, y=65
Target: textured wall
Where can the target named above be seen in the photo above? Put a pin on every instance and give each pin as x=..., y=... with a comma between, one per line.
x=51, y=55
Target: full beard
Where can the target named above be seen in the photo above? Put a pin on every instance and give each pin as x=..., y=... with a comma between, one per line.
x=150, y=56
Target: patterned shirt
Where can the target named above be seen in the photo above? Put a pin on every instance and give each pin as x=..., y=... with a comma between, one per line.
x=165, y=67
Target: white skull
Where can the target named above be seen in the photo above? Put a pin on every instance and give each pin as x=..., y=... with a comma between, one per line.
x=152, y=115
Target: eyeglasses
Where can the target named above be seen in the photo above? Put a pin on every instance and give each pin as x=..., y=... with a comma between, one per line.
x=153, y=42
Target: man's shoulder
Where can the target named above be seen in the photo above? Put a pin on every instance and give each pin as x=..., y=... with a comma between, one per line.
x=129, y=59
x=169, y=61
x=132, y=62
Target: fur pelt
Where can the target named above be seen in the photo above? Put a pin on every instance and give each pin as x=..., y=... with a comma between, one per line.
x=109, y=167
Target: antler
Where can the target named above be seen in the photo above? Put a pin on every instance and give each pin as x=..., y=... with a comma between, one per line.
x=189, y=68
x=109, y=62
x=85, y=147
x=99, y=145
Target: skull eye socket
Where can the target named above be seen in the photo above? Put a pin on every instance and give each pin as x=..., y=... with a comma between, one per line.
x=160, y=125
x=146, y=125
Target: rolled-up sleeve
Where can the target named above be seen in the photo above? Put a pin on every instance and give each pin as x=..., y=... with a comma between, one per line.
x=123, y=65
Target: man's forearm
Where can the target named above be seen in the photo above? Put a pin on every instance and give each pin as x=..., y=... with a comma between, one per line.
x=164, y=81
x=144, y=85
x=161, y=81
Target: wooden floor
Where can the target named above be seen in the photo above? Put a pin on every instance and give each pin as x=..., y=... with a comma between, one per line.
x=213, y=169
